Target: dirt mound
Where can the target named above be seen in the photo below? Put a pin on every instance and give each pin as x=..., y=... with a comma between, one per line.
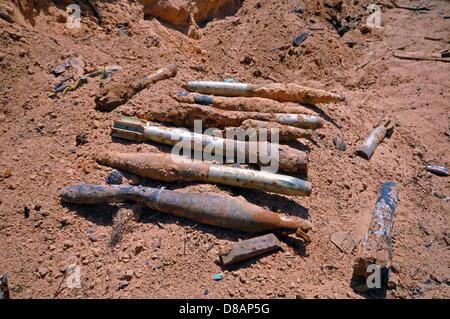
x=176, y=13
x=48, y=143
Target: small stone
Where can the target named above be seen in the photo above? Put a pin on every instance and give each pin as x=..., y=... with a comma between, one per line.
x=138, y=248
x=154, y=256
x=7, y=173
x=5, y=15
x=93, y=237
x=26, y=212
x=65, y=221
x=122, y=284
x=114, y=178
x=128, y=275
x=81, y=138
x=23, y=53
x=364, y=29
x=68, y=244
x=96, y=124
x=247, y=60
x=339, y=143
x=96, y=251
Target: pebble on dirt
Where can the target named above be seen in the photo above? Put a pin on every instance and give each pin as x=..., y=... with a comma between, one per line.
x=114, y=178
x=81, y=138
x=339, y=143
x=300, y=39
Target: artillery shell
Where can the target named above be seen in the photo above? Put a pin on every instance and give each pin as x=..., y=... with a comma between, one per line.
x=289, y=159
x=117, y=94
x=367, y=148
x=286, y=133
x=244, y=104
x=283, y=92
x=186, y=115
x=376, y=246
x=171, y=168
x=207, y=208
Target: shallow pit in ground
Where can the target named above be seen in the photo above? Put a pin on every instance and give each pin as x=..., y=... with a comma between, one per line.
x=176, y=13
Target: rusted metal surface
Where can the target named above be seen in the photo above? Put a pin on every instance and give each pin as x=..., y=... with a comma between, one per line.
x=289, y=159
x=185, y=115
x=367, y=148
x=250, y=248
x=283, y=92
x=286, y=133
x=219, y=88
x=438, y=170
x=158, y=166
x=260, y=180
x=170, y=168
x=300, y=120
x=376, y=246
x=208, y=208
x=117, y=94
x=243, y=104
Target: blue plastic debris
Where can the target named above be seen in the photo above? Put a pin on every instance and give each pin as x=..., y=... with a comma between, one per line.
x=217, y=277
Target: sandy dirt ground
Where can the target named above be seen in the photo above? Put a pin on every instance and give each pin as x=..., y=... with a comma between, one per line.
x=48, y=143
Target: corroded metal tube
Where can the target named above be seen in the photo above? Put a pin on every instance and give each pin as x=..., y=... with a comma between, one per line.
x=283, y=92
x=185, y=115
x=171, y=168
x=119, y=93
x=207, y=208
x=289, y=159
x=243, y=104
x=370, y=143
x=286, y=133
x=376, y=246
x=300, y=120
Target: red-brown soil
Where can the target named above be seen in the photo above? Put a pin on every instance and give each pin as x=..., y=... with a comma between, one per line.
x=161, y=256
